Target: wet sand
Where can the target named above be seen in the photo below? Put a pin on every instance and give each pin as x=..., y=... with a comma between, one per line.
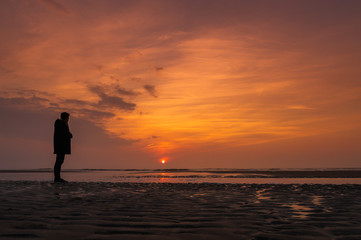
x=91, y=210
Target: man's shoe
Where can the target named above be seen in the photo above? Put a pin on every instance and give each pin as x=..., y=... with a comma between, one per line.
x=60, y=180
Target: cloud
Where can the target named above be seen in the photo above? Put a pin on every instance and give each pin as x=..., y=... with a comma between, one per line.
x=111, y=101
x=32, y=92
x=97, y=89
x=75, y=102
x=86, y=109
x=30, y=99
x=78, y=107
x=124, y=91
x=26, y=98
x=88, y=113
x=26, y=139
x=17, y=113
x=16, y=122
x=118, y=89
x=55, y=6
x=22, y=101
x=112, y=89
x=150, y=89
x=54, y=105
x=94, y=114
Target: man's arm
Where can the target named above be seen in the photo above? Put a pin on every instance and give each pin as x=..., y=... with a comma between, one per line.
x=62, y=131
x=68, y=132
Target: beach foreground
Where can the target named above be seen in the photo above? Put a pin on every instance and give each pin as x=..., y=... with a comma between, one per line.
x=91, y=210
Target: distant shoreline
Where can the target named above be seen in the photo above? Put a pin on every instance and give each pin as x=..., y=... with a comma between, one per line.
x=210, y=172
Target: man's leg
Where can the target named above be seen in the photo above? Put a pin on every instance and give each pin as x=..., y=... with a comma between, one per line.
x=57, y=167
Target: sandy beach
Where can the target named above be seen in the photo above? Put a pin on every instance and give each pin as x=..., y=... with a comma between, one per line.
x=101, y=210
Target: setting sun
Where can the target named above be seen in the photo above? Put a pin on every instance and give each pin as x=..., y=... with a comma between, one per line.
x=180, y=119
x=239, y=90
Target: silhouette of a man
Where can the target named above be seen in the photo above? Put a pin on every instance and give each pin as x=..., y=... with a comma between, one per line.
x=62, y=137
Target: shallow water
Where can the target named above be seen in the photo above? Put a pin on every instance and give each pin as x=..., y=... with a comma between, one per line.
x=235, y=176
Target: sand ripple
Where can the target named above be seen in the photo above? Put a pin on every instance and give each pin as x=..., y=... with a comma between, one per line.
x=42, y=210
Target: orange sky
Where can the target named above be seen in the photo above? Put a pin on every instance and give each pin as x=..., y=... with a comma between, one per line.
x=245, y=84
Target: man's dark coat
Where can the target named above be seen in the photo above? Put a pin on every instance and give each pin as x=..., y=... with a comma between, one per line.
x=62, y=137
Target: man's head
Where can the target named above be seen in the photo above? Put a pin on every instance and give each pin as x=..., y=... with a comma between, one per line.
x=64, y=116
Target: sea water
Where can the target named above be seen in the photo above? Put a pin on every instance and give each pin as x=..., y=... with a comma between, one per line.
x=234, y=176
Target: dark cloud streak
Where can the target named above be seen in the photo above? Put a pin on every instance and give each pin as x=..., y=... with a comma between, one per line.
x=109, y=100
x=123, y=91
x=75, y=102
x=113, y=101
x=151, y=90
x=74, y=106
x=94, y=114
x=21, y=101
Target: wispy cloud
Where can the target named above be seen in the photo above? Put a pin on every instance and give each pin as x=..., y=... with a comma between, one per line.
x=111, y=101
x=95, y=114
x=20, y=99
x=151, y=90
x=123, y=91
x=117, y=102
x=24, y=101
